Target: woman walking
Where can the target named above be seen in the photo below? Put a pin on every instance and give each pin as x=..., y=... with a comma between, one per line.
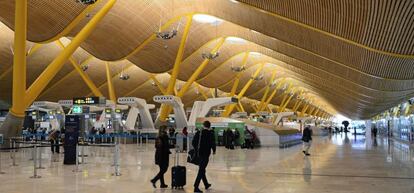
x=162, y=156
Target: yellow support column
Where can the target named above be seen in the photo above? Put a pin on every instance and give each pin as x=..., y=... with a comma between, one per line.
x=316, y=112
x=302, y=113
x=241, y=107
x=200, y=69
x=286, y=99
x=158, y=84
x=176, y=69
x=269, y=109
x=286, y=103
x=238, y=108
x=83, y=75
x=47, y=75
x=313, y=108
x=200, y=90
x=111, y=89
x=254, y=106
x=407, y=109
x=19, y=61
x=274, y=93
x=297, y=106
x=237, y=80
x=243, y=91
x=263, y=100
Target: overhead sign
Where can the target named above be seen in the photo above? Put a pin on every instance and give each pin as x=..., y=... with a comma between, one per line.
x=66, y=102
x=263, y=113
x=89, y=101
x=108, y=113
x=77, y=109
x=234, y=99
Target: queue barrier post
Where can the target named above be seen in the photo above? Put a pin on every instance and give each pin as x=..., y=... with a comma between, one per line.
x=39, y=151
x=83, y=154
x=35, y=175
x=77, y=160
x=117, y=171
x=1, y=172
x=13, y=153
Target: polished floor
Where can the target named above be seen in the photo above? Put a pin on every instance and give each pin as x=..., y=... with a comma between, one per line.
x=338, y=164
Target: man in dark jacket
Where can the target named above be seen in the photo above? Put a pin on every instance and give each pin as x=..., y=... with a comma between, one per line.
x=162, y=156
x=307, y=139
x=207, y=144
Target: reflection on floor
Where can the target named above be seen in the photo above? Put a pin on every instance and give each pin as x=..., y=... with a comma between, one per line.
x=340, y=163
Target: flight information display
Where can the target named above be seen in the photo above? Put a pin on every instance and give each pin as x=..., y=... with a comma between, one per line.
x=89, y=101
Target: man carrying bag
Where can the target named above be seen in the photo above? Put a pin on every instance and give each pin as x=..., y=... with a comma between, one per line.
x=203, y=143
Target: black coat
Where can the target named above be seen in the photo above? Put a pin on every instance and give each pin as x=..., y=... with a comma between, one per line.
x=208, y=142
x=162, y=150
x=307, y=135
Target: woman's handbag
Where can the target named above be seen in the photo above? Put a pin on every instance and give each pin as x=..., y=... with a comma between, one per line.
x=193, y=155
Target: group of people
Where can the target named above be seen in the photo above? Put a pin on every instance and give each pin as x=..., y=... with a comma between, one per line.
x=231, y=138
x=203, y=142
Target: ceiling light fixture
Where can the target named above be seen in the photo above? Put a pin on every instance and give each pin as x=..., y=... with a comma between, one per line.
x=258, y=78
x=86, y=2
x=255, y=53
x=166, y=35
x=84, y=67
x=210, y=56
x=202, y=18
x=124, y=76
x=153, y=83
x=236, y=40
x=237, y=68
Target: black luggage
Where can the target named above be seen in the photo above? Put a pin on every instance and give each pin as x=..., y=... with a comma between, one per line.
x=178, y=174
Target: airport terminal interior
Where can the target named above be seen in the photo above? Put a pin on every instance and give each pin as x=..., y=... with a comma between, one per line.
x=139, y=96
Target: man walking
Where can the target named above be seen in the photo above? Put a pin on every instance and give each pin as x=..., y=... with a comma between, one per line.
x=207, y=144
x=307, y=139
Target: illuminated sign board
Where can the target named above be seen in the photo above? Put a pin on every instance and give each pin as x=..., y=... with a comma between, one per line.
x=77, y=109
x=108, y=113
x=89, y=101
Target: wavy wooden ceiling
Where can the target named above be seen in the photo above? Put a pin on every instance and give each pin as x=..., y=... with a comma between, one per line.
x=356, y=57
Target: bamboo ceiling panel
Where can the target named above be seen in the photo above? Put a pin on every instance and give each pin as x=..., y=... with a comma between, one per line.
x=46, y=18
x=363, y=21
x=357, y=55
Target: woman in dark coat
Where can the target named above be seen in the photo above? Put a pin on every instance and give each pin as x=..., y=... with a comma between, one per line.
x=162, y=156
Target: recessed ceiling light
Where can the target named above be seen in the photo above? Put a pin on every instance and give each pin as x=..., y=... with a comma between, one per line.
x=202, y=18
x=255, y=54
x=235, y=40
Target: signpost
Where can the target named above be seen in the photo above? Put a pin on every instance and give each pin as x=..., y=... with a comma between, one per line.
x=72, y=127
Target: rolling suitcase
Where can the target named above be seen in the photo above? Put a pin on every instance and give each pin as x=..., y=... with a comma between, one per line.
x=178, y=174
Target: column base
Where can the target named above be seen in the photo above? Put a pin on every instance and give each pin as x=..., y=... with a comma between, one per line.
x=11, y=127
